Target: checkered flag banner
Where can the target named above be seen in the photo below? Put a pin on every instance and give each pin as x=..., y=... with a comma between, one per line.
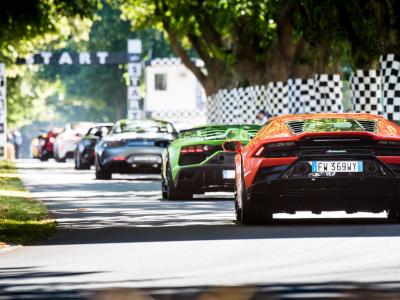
x=211, y=109
x=328, y=93
x=250, y=103
x=366, y=91
x=222, y=107
x=300, y=94
x=390, y=73
x=276, y=98
x=172, y=115
x=241, y=105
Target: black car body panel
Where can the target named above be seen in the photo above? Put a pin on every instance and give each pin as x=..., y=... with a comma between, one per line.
x=85, y=149
x=208, y=176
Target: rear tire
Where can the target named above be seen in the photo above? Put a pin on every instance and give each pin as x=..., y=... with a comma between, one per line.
x=238, y=211
x=253, y=213
x=393, y=215
x=173, y=193
x=44, y=157
x=78, y=162
x=101, y=173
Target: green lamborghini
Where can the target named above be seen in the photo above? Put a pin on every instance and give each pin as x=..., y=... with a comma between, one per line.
x=195, y=162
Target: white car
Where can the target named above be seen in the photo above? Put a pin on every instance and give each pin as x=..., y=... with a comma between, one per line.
x=64, y=145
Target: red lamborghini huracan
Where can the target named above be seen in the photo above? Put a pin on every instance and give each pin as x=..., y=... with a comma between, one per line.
x=319, y=162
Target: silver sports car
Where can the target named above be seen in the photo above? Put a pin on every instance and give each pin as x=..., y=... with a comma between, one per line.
x=133, y=146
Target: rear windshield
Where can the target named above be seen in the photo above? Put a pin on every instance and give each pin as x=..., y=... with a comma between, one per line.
x=329, y=125
x=248, y=131
x=143, y=127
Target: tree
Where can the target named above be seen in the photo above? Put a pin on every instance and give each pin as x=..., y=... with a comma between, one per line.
x=22, y=23
x=76, y=93
x=247, y=42
x=241, y=42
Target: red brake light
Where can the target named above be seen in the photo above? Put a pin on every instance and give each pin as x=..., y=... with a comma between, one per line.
x=259, y=151
x=196, y=149
x=281, y=149
x=119, y=158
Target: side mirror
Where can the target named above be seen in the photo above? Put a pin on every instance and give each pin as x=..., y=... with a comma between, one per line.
x=232, y=146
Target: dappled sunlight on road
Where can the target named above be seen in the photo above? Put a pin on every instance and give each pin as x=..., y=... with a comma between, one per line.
x=120, y=233
x=78, y=201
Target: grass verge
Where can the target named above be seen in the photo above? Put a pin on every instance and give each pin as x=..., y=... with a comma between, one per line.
x=22, y=220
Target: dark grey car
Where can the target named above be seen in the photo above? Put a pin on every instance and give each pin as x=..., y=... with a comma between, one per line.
x=133, y=146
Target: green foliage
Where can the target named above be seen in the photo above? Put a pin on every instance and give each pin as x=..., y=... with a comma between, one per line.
x=11, y=184
x=26, y=232
x=7, y=167
x=248, y=42
x=22, y=219
x=60, y=94
x=23, y=24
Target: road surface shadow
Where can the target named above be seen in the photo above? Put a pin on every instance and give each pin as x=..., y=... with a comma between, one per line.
x=121, y=211
x=285, y=229
x=30, y=283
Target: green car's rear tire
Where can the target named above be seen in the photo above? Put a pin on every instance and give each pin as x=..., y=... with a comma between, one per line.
x=173, y=193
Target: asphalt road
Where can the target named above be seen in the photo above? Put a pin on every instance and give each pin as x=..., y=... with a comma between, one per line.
x=119, y=233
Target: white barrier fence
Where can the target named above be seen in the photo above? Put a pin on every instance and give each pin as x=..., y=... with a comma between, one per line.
x=372, y=91
x=320, y=94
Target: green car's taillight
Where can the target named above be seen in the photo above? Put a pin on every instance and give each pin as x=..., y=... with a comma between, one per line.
x=196, y=149
x=191, y=155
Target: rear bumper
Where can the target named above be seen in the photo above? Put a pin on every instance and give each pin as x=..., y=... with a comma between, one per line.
x=327, y=194
x=123, y=167
x=127, y=164
x=205, y=178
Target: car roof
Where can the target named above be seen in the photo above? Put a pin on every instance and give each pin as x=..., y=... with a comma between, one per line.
x=220, y=126
x=293, y=117
x=161, y=122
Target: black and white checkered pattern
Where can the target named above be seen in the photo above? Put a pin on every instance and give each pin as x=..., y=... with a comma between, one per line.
x=322, y=94
x=366, y=91
x=171, y=61
x=300, y=93
x=245, y=108
x=276, y=98
x=328, y=93
x=179, y=117
x=260, y=100
x=167, y=114
x=222, y=107
x=390, y=73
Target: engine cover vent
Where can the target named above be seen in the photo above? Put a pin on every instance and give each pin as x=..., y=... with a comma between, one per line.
x=369, y=126
x=297, y=127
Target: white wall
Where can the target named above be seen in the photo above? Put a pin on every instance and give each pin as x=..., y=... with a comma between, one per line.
x=180, y=95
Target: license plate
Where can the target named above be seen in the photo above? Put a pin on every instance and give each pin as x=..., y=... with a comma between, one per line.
x=228, y=174
x=146, y=158
x=337, y=166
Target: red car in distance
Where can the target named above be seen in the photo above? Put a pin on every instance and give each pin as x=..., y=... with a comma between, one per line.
x=46, y=143
x=318, y=162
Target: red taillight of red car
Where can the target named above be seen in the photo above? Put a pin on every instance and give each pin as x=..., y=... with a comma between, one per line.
x=196, y=149
x=275, y=150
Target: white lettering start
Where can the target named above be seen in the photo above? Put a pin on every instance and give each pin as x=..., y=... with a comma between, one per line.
x=66, y=58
